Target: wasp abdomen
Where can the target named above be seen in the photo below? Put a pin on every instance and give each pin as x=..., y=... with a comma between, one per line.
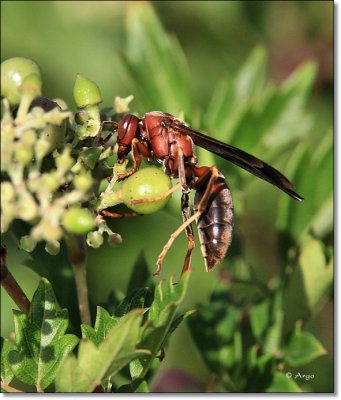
x=216, y=223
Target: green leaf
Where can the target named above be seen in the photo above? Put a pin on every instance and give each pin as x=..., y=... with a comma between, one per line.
x=6, y=370
x=310, y=283
x=40, y=344
x=232, y=96
x=139, y=386
x=56, y=269
x=260, y=318
x=153, y=65
x=140, y=277
x=291, y=122
x=104, y=322
x=302, y=348
x=251, y=77
x=90, y=156
x=323, y=222
x=95, y=363
x=272, y=343
x=247, y=113
x=216, y=331
x=259, y=374
x=135, y=299
x=316, y=212
x=161, y=321
x=283, y=384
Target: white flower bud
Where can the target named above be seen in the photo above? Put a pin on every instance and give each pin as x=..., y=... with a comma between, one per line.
x=94, y=239
x=52, y=247
x=27, y=243
x=27, y=208
x=121, y=105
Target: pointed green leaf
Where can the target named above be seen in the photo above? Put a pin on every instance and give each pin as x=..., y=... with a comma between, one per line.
x=316, y=187
x=90, y=156
x=167, y=294
x=104, y=322
x=260, y=318
x=311, y=282
x=281, y=383
x=135, y=299
x=274, y=332
x=6, y=370
x=251, y=77
x=215, y=330
x=140, y=277
x=323, y=222
x=40, y=344
x=161, y=320
x=139, y=386
x=95, y=363
x=302, y=348
x=153, y=65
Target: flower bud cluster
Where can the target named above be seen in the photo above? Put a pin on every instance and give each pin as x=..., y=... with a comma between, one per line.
x=31, y=191
x=51, y=171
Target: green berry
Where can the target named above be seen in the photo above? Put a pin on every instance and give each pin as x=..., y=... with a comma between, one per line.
x=78, y=220
x=13, y=73
x=146, y=183
x=86, y=92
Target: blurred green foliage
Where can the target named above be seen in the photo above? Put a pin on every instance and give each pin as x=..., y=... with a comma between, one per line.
x=257, y=75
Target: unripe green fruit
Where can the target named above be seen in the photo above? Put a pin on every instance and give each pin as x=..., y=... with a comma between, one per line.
x=146, y=183
x=78, y=221
x=13, y=72
x=86, y=92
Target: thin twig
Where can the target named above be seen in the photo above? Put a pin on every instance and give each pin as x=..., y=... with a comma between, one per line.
x=11, y=285
x=77, y=256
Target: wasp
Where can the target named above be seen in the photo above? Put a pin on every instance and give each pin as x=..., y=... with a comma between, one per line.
x=161, y=137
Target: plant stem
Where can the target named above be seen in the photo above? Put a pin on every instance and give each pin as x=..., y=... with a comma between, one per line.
x=9, y=389
x=77, y=256
x=11, y=285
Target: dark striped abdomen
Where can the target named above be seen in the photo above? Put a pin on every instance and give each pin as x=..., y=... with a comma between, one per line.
x=216, y=223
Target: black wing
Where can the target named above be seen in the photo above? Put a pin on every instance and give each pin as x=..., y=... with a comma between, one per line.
x=241, y=158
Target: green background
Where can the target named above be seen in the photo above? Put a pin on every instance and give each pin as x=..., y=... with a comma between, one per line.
x=66, y=38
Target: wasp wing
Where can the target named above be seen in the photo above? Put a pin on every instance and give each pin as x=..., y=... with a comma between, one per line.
x=241, y=158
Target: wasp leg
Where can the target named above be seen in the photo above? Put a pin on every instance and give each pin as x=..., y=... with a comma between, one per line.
x=98, y=136
x=139, y=151
x=119, y=215
x=186, y=214
x=204, y=174
x=158, y=198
